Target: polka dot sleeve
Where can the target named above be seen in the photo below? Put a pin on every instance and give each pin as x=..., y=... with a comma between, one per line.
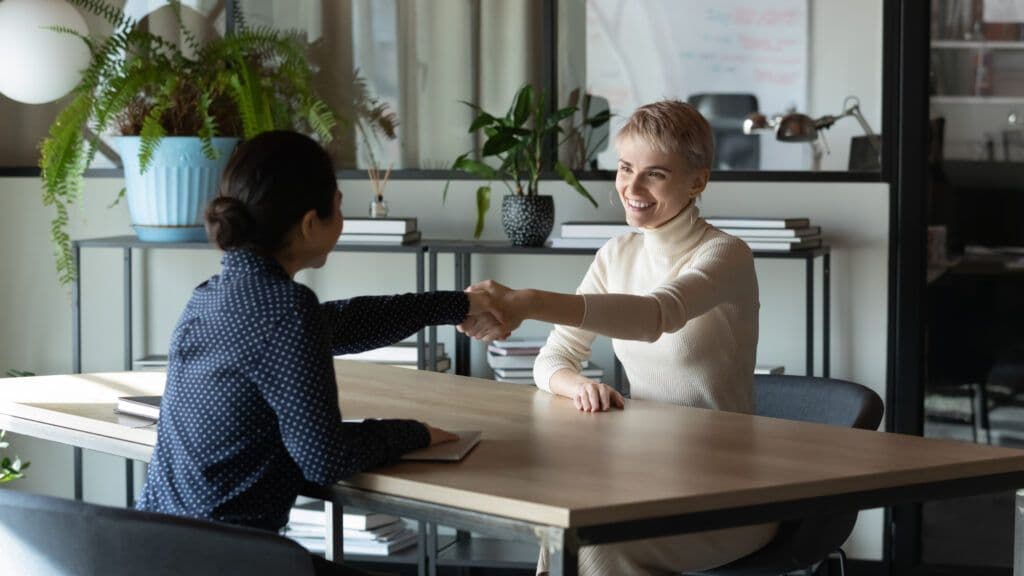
x=369, y=322
x=296, y=377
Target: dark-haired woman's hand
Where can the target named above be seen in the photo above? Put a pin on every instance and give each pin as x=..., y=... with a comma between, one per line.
x=439, y=436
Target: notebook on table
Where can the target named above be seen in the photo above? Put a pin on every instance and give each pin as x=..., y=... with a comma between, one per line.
x=449, y=451
x=144, y=406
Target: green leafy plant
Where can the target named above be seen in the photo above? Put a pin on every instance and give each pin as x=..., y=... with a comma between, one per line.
x=515, y=141
x=10, y=469
x=252, y=81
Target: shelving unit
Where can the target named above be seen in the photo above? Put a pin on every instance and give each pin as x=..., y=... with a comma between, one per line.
x=463, y=251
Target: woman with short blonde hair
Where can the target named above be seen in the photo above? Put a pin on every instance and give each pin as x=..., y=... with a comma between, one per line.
x=679, y=299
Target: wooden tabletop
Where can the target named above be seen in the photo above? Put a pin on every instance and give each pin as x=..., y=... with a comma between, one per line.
x=541, y=461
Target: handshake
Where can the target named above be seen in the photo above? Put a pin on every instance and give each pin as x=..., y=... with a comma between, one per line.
x=495, y=311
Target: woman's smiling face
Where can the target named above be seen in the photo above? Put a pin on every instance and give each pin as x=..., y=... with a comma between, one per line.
x=654, y=186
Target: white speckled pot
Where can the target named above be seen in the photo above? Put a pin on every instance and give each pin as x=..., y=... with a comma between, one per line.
x=528, y=220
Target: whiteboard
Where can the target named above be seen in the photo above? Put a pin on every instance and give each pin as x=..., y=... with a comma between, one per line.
x=640, y=51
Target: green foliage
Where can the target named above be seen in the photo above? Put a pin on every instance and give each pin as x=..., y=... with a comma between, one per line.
x=10, y=469
x=137, y=83
x=515, y=141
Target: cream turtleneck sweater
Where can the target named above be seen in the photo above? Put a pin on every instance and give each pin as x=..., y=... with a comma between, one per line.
x=680, y=302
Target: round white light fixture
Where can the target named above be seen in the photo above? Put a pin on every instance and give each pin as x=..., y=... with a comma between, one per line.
x=38, y=64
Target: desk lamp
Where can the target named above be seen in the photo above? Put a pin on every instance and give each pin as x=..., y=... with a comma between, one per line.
x=797, y=127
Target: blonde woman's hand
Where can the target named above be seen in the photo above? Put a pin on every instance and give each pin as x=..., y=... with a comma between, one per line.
x=505, y=304
x=439, y=436
x=591, y=396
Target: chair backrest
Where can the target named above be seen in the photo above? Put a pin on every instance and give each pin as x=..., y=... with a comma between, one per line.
x=734, y=150
x=821, y=400
x=802, y=543
x=52, y=536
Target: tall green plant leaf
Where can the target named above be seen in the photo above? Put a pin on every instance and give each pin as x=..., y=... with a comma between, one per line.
x=483, y=204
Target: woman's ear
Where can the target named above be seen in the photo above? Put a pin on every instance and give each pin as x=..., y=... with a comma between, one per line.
x=699, y=182
x=307, y=224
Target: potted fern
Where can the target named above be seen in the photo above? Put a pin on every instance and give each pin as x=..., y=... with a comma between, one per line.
x=179, y=116
x=516, y=141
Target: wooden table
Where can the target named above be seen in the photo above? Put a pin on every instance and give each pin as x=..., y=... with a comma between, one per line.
x=546, y=473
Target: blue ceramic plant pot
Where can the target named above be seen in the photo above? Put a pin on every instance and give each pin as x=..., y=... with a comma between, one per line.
x=166, y=203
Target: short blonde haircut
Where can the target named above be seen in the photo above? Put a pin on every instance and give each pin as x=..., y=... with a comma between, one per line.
x=673, y=127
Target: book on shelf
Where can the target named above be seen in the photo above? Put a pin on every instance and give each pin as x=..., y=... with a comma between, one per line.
x=379, y=225
x=144, y=406
x=151, y=363
x=773, y=232
x=744, y=222
x=513, y=343
x=400, y=353
x=318, y=544
x=397, y=239
x=784, y=246
x=531, y=351
x=383, y=533
x=574, y=229
x=352, y=519
x=509, y=380
x=578, y=242
x=496, y=361
x=796, y=240
x=766, y=369
x=592, y=372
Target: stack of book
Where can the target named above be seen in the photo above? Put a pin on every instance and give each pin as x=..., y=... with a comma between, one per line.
x=379, y=231
x=589, y=234
x=365, y=533
x=512, y=361
x=771, y=234
x=402, y=355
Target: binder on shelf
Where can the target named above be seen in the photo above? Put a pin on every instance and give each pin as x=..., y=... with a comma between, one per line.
x=143, y=406
x=743, y=222
x=396, y=239
x=379, y=225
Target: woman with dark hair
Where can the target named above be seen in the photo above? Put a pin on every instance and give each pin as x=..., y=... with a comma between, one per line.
x=250, y=409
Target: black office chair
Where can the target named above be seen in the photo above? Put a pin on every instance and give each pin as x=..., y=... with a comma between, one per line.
x=802, y=544
x=734, y=150
x=55, y=537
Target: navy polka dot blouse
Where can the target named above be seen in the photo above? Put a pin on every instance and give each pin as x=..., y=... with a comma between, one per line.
x=250, y=409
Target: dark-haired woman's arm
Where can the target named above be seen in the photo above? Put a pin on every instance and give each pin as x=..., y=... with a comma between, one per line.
x=368, y=322
x=295, y=375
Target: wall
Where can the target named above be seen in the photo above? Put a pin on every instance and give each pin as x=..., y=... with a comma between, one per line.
x=35, y=320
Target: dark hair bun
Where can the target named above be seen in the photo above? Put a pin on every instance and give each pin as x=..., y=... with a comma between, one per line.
x=228, y=222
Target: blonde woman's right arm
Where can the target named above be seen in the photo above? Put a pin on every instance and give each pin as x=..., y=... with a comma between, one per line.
x=557, y=368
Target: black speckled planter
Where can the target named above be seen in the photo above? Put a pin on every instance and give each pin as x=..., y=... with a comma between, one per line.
x=528, y=220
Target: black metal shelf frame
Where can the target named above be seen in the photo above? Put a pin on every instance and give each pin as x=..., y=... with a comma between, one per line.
x=463, y=251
